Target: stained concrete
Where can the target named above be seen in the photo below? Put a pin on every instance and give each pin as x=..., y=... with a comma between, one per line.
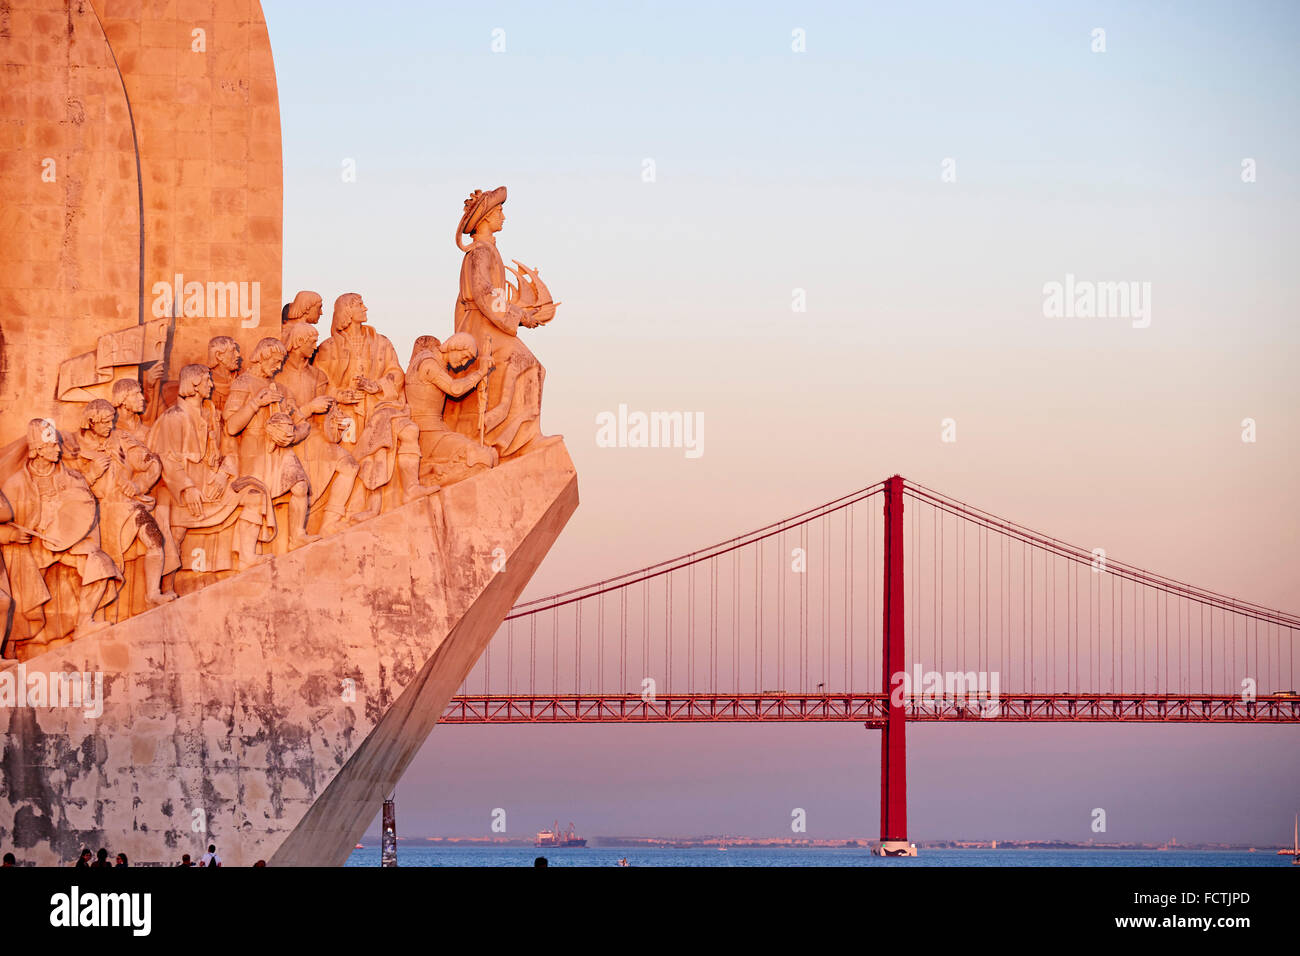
x=132, y=149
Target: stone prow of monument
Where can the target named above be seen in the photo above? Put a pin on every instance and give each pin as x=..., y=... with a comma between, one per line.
x=270, y=713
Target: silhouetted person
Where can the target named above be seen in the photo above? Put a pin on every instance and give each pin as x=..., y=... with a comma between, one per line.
x=185, y=860
x=101, y=860
x=540, y=861
x=83, y=861
x=9, y=860
x=210, y=858
x=121, y=861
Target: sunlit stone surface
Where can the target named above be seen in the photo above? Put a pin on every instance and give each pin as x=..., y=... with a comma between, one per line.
x=231, y=707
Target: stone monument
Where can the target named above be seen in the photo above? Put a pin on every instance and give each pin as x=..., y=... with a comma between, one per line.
x=242, y=573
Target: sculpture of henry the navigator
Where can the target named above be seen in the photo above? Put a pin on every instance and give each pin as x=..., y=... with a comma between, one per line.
x=486, y=309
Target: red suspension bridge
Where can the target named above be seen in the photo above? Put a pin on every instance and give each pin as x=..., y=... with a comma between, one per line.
x=978, y=619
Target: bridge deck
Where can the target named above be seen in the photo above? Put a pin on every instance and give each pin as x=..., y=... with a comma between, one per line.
x=870, y=709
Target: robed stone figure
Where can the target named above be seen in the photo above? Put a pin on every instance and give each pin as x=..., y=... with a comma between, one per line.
x=366, y=379
x=201, y=489
x=52, y=507
x=510, y=420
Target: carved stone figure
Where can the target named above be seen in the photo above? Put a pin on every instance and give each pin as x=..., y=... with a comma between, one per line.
x=305, y=307
x=433, y=375
x=57, y=518
x=201, y=488
x=331, y=471
x=224, y=360
x=263, y=417
x=121, y=470
x=128, y=401
x=491, y=310
x=366, y=378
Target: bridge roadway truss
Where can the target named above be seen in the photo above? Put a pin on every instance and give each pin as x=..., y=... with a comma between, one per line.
x=870, y=709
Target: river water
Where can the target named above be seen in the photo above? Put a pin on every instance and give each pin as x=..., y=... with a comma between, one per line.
x=780, y=856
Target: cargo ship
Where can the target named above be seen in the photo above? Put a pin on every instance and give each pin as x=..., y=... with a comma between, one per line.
x=554, y=838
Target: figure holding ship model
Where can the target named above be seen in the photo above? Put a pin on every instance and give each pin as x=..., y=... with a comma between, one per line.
x=506, y=413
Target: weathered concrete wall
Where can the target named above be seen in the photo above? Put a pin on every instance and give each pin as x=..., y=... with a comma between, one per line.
x=231, y=701
x=132, y=150
x=69, y=200
x=201, y=82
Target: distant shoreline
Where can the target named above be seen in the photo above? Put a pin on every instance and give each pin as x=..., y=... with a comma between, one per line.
x=781, y=843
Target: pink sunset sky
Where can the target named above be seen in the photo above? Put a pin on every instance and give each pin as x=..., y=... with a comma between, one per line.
x=820, y=174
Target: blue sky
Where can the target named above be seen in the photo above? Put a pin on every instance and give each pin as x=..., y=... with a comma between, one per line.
x=775, y=171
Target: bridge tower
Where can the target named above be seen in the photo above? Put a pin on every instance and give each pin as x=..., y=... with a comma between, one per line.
x=893, y=732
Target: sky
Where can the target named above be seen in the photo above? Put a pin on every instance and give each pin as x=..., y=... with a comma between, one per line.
x=913, y=177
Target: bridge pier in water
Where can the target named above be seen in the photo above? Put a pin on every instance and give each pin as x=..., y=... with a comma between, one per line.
x=893, y=730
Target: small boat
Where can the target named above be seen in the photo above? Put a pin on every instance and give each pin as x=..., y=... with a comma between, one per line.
x=358, y=847
x=624, y=862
